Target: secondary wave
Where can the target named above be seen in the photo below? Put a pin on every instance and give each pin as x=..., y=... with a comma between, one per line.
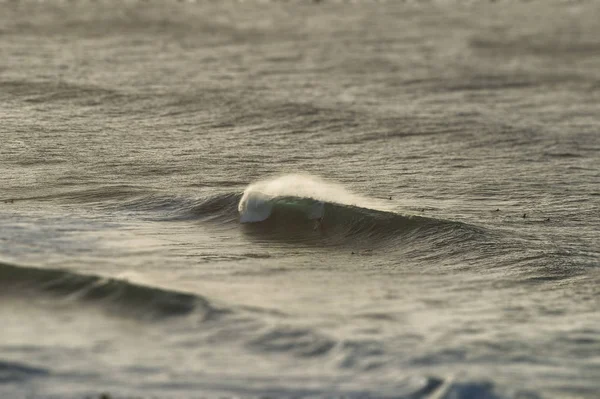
x=117, y=295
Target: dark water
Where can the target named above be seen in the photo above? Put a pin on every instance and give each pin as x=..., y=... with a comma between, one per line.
x=419, y=184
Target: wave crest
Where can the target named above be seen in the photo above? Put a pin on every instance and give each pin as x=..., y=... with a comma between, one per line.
x=258, y=199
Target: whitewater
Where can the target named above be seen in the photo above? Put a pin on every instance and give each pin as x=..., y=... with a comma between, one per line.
x=299, y=199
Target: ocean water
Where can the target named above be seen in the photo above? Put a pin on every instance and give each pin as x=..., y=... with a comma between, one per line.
x=360, y=199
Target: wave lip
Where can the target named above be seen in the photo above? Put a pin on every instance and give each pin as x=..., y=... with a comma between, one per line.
x=258, y=208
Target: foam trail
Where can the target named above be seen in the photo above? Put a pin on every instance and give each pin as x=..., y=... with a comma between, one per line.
x=256, y=205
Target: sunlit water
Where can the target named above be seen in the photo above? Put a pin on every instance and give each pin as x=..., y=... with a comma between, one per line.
x=300, y=199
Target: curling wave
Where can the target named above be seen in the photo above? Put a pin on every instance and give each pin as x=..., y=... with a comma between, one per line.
x=305, y=208
x=297, y=209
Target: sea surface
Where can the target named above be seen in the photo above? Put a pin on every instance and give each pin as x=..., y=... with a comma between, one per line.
x=300, y=199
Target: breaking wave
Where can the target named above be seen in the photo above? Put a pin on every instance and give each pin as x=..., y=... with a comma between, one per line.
x=296, y=209
x=306, y=208
x=302, y=209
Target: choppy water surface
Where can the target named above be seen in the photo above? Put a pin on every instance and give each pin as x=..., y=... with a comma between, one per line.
x=300, y=199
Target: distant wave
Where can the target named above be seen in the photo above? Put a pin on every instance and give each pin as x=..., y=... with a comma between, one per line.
x=118, y=295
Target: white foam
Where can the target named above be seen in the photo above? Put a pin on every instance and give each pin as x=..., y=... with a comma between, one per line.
x=254, y=207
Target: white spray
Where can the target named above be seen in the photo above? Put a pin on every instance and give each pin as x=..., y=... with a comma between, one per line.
x=256, y=204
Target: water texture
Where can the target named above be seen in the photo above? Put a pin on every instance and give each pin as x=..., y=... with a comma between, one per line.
x=359, y=199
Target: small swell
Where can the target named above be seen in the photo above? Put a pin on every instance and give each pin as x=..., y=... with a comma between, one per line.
x=222, y=208
x=117, y=295
x=294, y=341
x=11, y=372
